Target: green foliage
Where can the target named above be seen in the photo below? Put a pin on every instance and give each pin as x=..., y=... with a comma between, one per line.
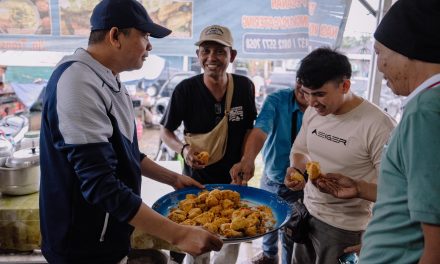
x=350, y=41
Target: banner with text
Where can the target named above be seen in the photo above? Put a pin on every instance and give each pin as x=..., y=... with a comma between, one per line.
x=261, y=28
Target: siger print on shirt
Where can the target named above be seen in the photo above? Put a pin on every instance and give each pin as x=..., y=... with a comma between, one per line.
x=236, y=113
x=329, y=137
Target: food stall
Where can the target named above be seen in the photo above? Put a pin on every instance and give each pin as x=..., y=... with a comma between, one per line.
x=20, y=225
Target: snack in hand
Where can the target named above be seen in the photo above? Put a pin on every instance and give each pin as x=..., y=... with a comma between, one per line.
x=296, y=176
x=203, y=157
x=313, y=170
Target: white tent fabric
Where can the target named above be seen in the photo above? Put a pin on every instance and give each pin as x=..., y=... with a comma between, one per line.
x=28, y=93
x=30, y=58
x=152, y=68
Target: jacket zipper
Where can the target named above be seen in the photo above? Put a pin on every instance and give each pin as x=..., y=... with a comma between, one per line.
x=104, y=228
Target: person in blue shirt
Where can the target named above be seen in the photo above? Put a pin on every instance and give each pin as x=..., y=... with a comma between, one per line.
x=276, y=127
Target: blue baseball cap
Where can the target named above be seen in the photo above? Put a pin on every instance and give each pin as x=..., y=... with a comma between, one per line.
x=125, y=14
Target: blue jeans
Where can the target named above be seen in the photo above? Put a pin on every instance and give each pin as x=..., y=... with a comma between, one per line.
x=270, y=241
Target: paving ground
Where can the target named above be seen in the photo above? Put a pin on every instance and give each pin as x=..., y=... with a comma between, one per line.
x=149, y=142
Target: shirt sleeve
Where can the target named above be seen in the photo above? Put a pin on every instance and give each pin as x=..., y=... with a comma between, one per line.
x=420, y=143
x=84, y=138
x=265, y=120
x=81, y=108
x=300, y=144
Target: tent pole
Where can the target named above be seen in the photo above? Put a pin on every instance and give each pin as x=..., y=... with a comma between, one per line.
x=375, y=77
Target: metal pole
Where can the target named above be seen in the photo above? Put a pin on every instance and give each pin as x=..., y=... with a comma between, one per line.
x=368, y=7
x=375, y=77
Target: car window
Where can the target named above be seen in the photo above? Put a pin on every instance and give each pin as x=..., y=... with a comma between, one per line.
x=169, y=87
x=282, y=78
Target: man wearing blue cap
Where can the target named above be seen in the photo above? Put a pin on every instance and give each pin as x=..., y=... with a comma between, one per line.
x=91, y=166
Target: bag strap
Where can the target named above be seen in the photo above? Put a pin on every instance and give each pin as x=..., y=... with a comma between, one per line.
x=294, y=132
x=229, y=93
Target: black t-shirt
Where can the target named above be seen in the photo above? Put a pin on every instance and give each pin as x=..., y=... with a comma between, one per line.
x=194, y=104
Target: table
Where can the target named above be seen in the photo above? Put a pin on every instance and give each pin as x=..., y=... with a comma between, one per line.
x=20, y=224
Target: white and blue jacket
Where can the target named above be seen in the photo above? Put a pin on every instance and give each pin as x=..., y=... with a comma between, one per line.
x=90, y=164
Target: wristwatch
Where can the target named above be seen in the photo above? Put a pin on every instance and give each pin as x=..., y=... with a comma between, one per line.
x=183, y=148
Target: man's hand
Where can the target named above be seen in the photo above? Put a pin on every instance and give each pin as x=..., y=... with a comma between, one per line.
x=191, y=159
x=196, y=240
x=431, y=237
x=242, y=172
x=293, y=184
x=338, y=185
x=183, y=181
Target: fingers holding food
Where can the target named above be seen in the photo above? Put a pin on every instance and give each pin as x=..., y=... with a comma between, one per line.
x=242, y=172
x=234, y=172
x=294, y=182
x=296, y=176
x=313, y=170
x=190, y=155
x=203, y=157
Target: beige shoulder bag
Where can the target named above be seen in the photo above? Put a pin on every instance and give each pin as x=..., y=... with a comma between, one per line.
x=215, y=141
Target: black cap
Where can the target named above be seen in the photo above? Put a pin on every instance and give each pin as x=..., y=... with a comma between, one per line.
x=125, y=14
x=410, y=28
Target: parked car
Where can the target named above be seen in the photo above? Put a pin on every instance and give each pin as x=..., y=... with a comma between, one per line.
x=279, y=80
x=167, y=89
x=287, y=78
x=270, y=88
x=162, y=99
x=242, y=71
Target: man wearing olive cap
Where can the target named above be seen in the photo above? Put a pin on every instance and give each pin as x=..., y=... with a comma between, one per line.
x=200, y=103
x=91, y=166
x=405, y=227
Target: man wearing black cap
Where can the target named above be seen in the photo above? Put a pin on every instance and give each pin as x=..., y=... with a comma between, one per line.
x=90, y=162
x=405, y=227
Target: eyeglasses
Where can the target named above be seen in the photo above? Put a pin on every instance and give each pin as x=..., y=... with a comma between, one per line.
x=218, y=112
x=218, y=108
